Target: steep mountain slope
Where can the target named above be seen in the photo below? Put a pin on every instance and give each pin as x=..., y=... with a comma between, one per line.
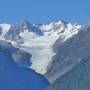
x=22, y=58
x=13, y=77
x=76, y=79
x=69, y=53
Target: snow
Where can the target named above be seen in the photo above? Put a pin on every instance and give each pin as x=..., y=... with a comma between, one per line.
x=5, y=27
x=70, y=31
x=46, y=27
x=40, y=48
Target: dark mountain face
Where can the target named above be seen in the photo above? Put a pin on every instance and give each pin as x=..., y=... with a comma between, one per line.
x=13, y=77
x=69, y=54
x=22, y=58
x=76, y=79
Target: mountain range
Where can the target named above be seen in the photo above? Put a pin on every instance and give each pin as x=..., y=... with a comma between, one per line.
x=55, y=48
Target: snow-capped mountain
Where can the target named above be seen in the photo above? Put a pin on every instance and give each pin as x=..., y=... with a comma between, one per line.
x=55, y=47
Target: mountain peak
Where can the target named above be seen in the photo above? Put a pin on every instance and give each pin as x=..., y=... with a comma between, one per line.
x=24, y=21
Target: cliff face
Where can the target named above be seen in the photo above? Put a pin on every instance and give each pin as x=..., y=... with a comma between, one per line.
x=76, y=79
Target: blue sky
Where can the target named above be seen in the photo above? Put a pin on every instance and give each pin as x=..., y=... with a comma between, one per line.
x=42, y=11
